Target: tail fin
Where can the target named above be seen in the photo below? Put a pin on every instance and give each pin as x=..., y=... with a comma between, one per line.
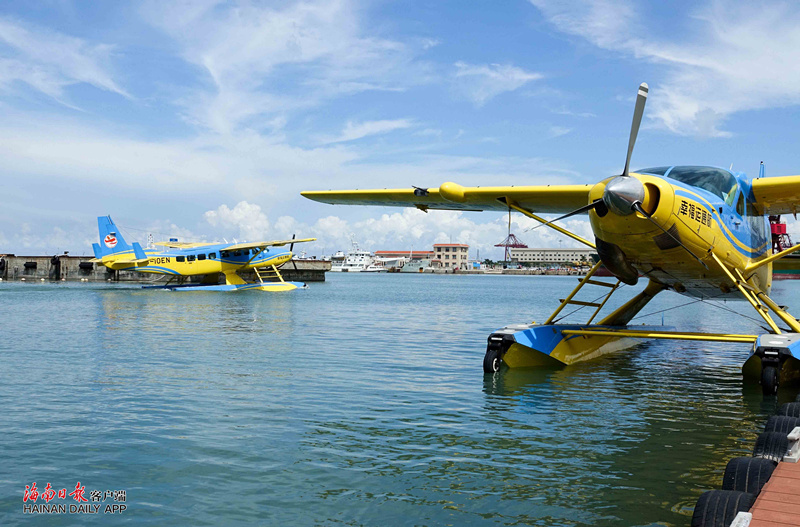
x=111, y=241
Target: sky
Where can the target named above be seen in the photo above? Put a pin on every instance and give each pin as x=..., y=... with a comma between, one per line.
x=204, y=120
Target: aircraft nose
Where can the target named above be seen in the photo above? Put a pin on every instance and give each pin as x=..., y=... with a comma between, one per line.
x=621, y=193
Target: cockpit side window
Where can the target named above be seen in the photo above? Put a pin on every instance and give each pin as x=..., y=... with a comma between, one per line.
x=657, y=171
x=740, y=205
x=719, y=182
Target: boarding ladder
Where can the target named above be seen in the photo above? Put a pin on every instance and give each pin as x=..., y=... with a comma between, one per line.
x=587, y=280
x=268, y=274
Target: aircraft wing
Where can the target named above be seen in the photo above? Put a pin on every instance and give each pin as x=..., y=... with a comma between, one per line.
x=261, y=245
x=452, y=196
x=777, y=195
x=181, y=245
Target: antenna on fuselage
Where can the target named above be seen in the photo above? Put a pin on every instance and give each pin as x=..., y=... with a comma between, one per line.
x=762, y=170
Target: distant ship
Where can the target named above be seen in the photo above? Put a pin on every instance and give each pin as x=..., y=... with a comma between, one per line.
x=357, y=261
x=417, y=266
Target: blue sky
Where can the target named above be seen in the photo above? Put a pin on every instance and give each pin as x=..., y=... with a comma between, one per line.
x=205, y=120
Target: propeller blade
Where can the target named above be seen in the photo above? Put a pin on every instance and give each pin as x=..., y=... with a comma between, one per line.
x=638, y=111
x=291, y=250
x=637, y=206
x=585, y=208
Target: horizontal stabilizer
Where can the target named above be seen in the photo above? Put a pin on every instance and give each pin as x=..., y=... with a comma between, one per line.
x=138, y=251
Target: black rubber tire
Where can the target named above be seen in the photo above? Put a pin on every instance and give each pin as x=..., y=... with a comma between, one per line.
x=492, y=361
x=771, y=445
x=790, y=409
x=769, y=380
x=718, y=508
x=781, y=423
x=747, y=474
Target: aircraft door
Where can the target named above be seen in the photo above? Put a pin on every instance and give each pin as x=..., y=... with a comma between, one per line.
x=737, y=216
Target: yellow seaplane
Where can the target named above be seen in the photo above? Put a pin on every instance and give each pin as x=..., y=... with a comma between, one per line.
x=696, y=230
x=184, y=260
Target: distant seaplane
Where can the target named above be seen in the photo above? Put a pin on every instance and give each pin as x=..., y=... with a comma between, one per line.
x=183, y=260
x=699, y=231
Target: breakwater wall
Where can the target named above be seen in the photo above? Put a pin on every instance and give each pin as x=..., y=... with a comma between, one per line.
x=81, y=268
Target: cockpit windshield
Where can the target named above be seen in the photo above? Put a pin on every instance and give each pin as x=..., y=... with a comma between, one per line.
x=715, y=180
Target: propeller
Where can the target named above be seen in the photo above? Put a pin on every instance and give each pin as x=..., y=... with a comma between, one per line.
x=291, y=250
x=638, y=111
x=585, y=208
x=622, y=192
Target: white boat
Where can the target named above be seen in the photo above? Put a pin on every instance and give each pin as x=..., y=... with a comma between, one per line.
x=416, y=266
x=375, y=267
x=357, y=261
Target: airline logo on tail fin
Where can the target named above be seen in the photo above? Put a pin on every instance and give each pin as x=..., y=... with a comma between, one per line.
x=111, y=241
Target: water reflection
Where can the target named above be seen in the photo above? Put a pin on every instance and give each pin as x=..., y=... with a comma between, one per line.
x=362, y=401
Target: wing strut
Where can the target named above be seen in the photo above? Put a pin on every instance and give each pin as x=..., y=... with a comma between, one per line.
x=751, y=297
x=549, y=224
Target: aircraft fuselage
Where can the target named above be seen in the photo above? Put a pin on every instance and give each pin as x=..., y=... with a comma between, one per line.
x=709, y=210
x=200, y=260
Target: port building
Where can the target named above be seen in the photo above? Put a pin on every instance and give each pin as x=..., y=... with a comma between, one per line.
x=450, y=255
x=413, y=255
x=551, y=256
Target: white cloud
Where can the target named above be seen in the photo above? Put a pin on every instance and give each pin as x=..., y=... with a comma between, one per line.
x=49, y=61
x=247, y=164
x=558, y=131
x=726, y=57
x=428, y=43
x=262, y=60
x=399, y=230
x=481, y=83
x=246, y=219
x=353, y=131
x=27, y=239
x=571, y=113
x=430, y=132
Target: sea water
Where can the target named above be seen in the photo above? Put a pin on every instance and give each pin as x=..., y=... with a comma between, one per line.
x=359, y=401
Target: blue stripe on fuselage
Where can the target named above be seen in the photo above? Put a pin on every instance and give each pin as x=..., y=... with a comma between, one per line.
x=684, y=193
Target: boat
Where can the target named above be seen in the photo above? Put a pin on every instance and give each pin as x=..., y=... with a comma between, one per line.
x=416, y=266
x=357, y=261
x=375, y=267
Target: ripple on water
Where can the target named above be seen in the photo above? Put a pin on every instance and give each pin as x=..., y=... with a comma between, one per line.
x=359, y=401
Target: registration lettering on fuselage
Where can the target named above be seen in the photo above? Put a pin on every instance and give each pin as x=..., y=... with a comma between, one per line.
x=695, y=212
x=160, y=260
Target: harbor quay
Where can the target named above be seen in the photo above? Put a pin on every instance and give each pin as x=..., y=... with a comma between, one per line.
x=83, y=269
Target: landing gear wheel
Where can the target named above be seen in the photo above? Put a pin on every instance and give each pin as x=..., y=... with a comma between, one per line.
x=492, y=361
x=769, y=380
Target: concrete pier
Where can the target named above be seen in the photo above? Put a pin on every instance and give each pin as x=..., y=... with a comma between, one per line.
x=81, y=268
x=56, y=268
